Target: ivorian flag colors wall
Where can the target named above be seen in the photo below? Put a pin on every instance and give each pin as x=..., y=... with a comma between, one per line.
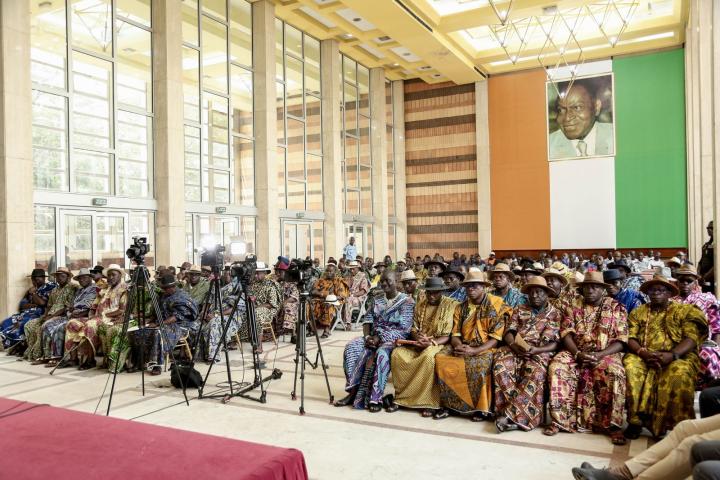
x=636, y=199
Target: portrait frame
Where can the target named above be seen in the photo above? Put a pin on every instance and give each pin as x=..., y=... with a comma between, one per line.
x=559, y=147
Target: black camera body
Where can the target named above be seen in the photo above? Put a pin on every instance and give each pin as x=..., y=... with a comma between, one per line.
x=302, y=271
x=213, y=257
x=245, y=271
x=138, y=250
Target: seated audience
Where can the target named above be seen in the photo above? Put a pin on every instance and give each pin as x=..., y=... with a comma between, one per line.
x=464, y=368
x=410, y=284
x=630, y=299
x=268, y=300
x=662, y=364
x=288, y=281
x=32, y=306
x=195, y=284
x=358, y=288
x=329, y=284
x=531, y=337
x=502, y=279
x=453, y=278
x=366, y=359
x=179, y=313
x=211, y=327
x=413, y=366
x=587, y=379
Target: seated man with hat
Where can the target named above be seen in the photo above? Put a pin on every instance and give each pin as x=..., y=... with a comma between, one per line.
x=359, y=287
x=531, y=337
x=329, y=284
x=59, y=301
x=106, y=312
x=32, y=306
x=268, y=300
x=288, y=281
x=413, y=366
x=630, y=299
x=196, y=285
x=179, y=312
x=453, y=278
x=691, y=293
x=366, y=359
x=663, y=362
x=53, y=331
x=587, y=379
x=410, y=284
x=434, y=268
x=631, y=280
x=502, y=279
x=98, y=277
x=559, y=282
x=211, y=328
x=527, y=271
x=464, y=368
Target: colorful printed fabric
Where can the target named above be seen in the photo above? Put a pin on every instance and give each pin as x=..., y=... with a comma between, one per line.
x=199, y=291
x=268, y=300
x=633, y=282
x=512, y=298
x=211, y=330
x=359, y=287
x=466, y=382
x=520, y=381
x=110, y=300
x=459, y=295
x=413, y=369
x=660, y=399
x=60, y=300
x=181, y=306
x=290, y=307
x=53, y=331
x=12, y=329
x=367, y=369
x=709, y=355
x=322, y=313
x=630, y=299
x=582, y=397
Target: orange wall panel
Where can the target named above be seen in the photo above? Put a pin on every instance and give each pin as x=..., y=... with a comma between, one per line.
x=519, y=172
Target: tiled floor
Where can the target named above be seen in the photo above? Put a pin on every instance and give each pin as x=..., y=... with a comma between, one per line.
x=338, y=443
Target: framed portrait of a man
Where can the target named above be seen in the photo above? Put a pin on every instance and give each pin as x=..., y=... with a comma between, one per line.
x=581, y=122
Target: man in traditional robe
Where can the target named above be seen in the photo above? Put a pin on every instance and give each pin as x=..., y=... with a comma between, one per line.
x=329, y=284
x=359, y=286
x=502, y=279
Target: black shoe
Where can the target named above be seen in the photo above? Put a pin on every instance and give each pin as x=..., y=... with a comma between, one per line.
x=593, y=474
x=345, y=401
x=632, y=432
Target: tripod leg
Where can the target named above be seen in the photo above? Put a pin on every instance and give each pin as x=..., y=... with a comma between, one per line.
x=302, y=383
x=322, y=360
x=299, y=344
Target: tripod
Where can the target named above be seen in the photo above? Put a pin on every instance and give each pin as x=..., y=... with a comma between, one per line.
x=258, y=380
x=139, y=284
x=301, y=352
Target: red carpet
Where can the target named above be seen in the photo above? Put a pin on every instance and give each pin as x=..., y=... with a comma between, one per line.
x=42, y=442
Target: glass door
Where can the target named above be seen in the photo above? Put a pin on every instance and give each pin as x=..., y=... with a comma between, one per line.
x=297, y=239
x=363, y=237
x=89, y=238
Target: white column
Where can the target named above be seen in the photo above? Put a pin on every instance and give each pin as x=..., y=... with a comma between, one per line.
x=332, y=148
x=169, y=140
x=482, y=140
x=399, y=142
x=378, y=141
x=16, y=164
x=266, y=190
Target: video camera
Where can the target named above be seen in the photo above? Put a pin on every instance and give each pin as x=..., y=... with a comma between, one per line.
x=213, y=257
x=301, y=270
x=138, y=250
x=245, y=271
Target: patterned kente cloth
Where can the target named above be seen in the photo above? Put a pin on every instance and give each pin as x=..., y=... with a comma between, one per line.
x=59, y=301
x=630, y=299
x=660, y=399
x=709, y=355
x=181, y=306
x=12, y=329
x=290, y=307
x=459, y=294
x=519, y=381
x=369, y=369
x=322, y=313
x=466, y=382
x=359, y=286
x=583, y=397
x=53, y=331
x=211, y=330
x=512, y=298
x=268, y=300
x=102, y=329
x=413, y=369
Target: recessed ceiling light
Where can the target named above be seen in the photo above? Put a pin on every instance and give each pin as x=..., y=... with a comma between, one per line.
x=406, y=54
x=45, y=4
x=357, y=19
x=396, y=64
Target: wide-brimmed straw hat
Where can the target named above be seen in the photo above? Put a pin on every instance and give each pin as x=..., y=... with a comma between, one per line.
x=194, y=269
x=593, y=278
x=659, y=280
x=64, y=270
x=501, y=268
x=560, y=267
x=538, y=282
x=83, y=272
x=476, y=276
x=407, y=276
x=434, y=284
x=453, y=271
x=262, y=267
x=674, y=260
x=553, y=272
x=353, y=264
x=332, y=300
x=687, y=270
x=115, y=267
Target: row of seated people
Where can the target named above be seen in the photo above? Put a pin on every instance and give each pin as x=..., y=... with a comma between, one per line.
x=598, y=367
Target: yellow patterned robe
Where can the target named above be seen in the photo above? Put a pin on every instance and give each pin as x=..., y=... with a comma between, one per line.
x=413, y=369
x=660, y=399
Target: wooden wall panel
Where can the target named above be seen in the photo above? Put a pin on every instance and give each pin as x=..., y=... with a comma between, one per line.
x=440, y=168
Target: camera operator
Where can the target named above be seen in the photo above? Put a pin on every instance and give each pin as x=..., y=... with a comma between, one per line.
x=268, y=299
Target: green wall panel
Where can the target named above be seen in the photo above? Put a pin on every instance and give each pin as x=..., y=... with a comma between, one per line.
x=650, y=166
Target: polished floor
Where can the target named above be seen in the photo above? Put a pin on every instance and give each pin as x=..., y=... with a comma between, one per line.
x=338, y=443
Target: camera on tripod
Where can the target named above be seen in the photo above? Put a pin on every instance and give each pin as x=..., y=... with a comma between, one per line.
x=138, y=249
x=245, y=271
x=301, y=270
x=213, y=257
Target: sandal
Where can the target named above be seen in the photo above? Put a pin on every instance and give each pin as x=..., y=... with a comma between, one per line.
x=52, y=363
x=426, y=413
x=440, y=414
x=551, y=431
x=617, y=437
x=374, y=407
x=325, y=335
x=477, y=417
x=392, y=408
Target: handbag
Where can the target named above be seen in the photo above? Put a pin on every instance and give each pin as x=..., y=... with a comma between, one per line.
x=187, y=373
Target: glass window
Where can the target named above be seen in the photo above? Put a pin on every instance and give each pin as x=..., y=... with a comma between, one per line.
x=244, y=171
x=134, y=68
x=313, y=165
x=142, y=224
x=92, y=25
x=350, y=102
x=214, y=55
x=92, y=102
x=280, y=102
x=313, y=125
x=318, y=235
x=215, y=8
x=133, y=154
x=190, y=21
x=242, y=100
x=312, y=66
x=363, y=82
x=294, y=87
x=192, y=164
x=48, y=49
x=135, y=10
x=91, y=171
x=44, y=236
x=49, y=140
x=241, y=32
